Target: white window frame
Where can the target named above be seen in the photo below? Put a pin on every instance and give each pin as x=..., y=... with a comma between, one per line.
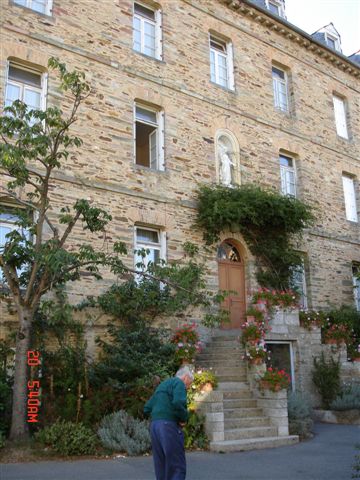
x=350, y=199
x=340, y=114
x=228, y=55
x=334, y=39
x=23, y=86
x=292, y=359
x=279, y=6
x=158, y=30
x=285, y=173
x=29, y=4
x=277, y=84
x=304, y=293
x=356, y=285
x=161, y=246
x=160, y=160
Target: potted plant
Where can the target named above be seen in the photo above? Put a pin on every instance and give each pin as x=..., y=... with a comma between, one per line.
x=336, y=334
x=256, y=354
x=313, y=318
x=274, y=380
x=186, y=340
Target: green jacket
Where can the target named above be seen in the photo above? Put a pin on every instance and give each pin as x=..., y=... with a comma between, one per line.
x=168, y=401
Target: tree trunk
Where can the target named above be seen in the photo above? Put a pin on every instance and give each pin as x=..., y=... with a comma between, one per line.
x=19, y=426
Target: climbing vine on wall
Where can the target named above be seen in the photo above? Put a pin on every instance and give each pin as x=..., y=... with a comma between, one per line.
x=268, y=221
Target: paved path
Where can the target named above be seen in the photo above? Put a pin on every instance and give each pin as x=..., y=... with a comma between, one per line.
x=328, y=456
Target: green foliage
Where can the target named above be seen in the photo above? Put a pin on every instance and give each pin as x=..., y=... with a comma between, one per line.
x=128, y=364
x=64, y=364
x=194, y=431
x=300, y=412
x=67, y=438
x=267, y=221
x=201, y=378
x=348, y=398
x=123, y=433
x=326, y=378
x=2, y=440
x=348, y=316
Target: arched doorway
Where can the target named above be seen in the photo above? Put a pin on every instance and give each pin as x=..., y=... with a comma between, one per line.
x=232, y=277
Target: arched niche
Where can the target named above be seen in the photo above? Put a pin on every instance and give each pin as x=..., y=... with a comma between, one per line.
x=227, y=156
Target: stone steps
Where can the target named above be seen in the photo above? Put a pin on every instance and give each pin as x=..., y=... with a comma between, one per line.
x=229, y=370
x=252, y=444
x=245, y=422
x=234, y=387
x=232, y=378
x=242, y=412
x=242, y=403
x=249, y=432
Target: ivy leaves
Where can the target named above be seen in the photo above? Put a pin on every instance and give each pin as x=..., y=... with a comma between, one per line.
x=267, y=221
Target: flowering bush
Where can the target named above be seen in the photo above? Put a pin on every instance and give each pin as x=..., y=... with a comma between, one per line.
x=276, y=298
x=313, y=318
x=275, y=380
x=187, y=343
x=256, y=352
x=337, y=332
x=201, y=378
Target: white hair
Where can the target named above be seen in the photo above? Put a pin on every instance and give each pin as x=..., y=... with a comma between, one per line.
x=185, y=370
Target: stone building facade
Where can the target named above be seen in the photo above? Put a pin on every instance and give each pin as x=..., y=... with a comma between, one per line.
x=178, y=89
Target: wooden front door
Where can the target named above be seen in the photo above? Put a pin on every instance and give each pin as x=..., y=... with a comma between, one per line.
x=231, y=277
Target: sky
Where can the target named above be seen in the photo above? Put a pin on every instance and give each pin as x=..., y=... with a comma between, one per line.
x=310, y=15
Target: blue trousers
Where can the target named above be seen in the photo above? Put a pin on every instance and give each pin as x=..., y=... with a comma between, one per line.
x=167, y=440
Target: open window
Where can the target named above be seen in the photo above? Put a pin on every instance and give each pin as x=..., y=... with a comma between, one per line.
x=149, y=130
x=25, y=84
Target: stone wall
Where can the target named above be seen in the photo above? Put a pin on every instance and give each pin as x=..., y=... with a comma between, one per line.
x=195, y=109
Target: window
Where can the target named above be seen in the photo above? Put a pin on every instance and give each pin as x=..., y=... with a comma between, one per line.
x=350, y=198
x=40, y=6
x=149, y=137
x=153, y=241
x=340, y=116
x=8, y=220
x=221, y=63
x=147, y=31
x=299, y=285
x=274, y=8
x=287, y=175
x=333, y=42
x=280, y=87
x=26, y=85
x=356, y=284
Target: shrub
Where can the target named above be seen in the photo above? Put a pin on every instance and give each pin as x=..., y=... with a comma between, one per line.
x=121, y=432
x=68, y=438
x=348, y=399
x=194, y=431
x=129, y=362
x=326, y=378
x=300, y=411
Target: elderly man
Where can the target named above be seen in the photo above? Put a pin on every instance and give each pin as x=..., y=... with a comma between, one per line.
x=168, y=411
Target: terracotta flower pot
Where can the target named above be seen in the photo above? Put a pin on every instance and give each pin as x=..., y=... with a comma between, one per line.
x=207, y=387
x=334, y=341
x=257, y=361
x=356, y=359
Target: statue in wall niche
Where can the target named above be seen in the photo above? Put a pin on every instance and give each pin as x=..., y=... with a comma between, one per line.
x=226, y=164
